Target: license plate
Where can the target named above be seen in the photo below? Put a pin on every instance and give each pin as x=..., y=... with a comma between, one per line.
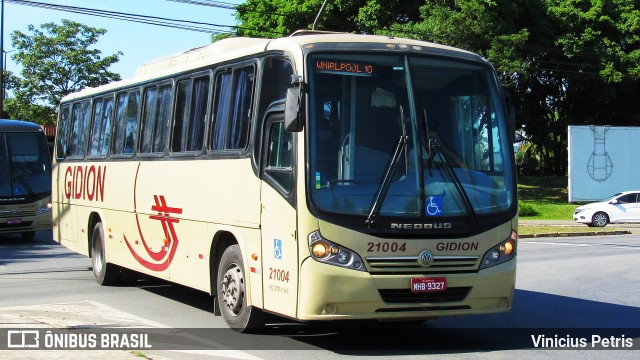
x=14, y=221
x=432, y=284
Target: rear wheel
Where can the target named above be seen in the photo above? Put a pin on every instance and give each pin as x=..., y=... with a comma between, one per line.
x=600, y=219
x=232, y=293
x=105, y=273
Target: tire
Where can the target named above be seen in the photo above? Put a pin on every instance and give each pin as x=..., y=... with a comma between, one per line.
x=600, y=219
x=232, y=295
x=105, y=273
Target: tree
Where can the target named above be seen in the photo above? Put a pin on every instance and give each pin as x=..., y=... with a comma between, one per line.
x=20, y=107
x=584, y=68
x=566, y=62
x=57, y=60
x=19, y=110
x=274, y=18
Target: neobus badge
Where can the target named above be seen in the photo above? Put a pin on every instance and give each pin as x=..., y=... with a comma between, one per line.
x=427, y=226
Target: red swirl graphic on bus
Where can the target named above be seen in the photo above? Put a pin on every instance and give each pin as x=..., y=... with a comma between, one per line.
x=166, y=253
x=164, y=256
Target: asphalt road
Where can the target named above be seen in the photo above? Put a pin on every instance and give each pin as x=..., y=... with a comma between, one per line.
x=566, y=288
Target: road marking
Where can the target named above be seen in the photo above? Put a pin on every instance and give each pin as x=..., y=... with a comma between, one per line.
x=557, y=243
x=90, y=314
x=233, y=354
x=615, y=246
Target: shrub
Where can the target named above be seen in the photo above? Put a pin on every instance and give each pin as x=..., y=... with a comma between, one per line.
x=527, y=210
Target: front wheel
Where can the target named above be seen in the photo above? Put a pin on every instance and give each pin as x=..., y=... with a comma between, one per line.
x=105, y=273
x=232, y=293
x=600, y=219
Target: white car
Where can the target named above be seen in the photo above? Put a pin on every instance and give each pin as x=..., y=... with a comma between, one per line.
x=623, y=207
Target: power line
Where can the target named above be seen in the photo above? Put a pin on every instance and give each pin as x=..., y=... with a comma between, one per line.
x=147, y=19
x=212, y=28
x=217, y=4
x=143, y=19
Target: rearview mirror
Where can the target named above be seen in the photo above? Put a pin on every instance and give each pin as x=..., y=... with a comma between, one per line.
x=292, y=120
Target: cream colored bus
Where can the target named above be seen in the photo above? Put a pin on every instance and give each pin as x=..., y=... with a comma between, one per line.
x=25, y=179
x=317, y=177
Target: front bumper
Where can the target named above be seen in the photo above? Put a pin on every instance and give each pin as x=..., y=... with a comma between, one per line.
x=333, y=293
x=26, y=224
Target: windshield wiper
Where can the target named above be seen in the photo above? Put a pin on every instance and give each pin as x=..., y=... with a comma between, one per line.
x=401, y=146
x=405, y=149
x=433, y=148
x=431, y=143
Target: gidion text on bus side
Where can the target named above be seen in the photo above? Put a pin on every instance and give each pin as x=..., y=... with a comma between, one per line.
x=316, y=177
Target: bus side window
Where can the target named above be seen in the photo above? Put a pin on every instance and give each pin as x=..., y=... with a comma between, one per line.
x=276, y=79
x=101, y=127
x=233, y=106
x=63, y=132
x=79, y=125
x=127, y=122
x=156, y=114
x=279, y=157
x=221, y=110
x=190, y=114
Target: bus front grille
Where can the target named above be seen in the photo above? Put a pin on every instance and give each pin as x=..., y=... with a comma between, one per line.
x=405, y=296
x=390, y=265
x=13, y=214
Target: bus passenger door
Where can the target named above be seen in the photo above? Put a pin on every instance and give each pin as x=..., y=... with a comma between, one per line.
x=278, y=220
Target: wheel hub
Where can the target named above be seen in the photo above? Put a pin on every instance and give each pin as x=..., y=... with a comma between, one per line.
x=232, y=289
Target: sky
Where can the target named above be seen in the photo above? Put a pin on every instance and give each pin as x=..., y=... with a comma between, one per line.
x=139, y=43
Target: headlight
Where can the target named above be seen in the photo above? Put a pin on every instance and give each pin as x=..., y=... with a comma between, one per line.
x=45, y=208
x=579, y=210
x=325, y=251
x=500, y=253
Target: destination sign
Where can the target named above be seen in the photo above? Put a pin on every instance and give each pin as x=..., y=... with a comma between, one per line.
x=344, y=67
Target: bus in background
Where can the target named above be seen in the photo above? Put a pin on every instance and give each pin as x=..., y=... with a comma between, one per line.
x=25, y=179
x=320, y=176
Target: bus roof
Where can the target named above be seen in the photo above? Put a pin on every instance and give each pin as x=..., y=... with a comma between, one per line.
x=240, y=47
x=7, y=125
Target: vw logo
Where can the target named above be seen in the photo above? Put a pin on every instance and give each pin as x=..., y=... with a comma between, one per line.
x=425, y=258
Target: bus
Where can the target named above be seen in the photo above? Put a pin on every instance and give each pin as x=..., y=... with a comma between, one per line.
x=25, y=179
x=319, y=176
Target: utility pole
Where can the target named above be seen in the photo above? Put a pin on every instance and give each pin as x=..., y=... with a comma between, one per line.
x=322, y=9
x=2, y=59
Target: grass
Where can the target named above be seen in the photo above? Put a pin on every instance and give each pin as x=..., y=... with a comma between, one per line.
x=544, y=198
x=542, y=229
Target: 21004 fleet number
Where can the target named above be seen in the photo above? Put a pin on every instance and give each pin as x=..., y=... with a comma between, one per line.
x=386, y=247
x=278, y=274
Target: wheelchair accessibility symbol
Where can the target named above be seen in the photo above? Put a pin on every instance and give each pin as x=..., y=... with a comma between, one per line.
x=433, y=206
x=277, y=249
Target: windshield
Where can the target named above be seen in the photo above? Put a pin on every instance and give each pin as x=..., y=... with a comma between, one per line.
x=406, y=136
x=611, y=197
x=25, y=165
